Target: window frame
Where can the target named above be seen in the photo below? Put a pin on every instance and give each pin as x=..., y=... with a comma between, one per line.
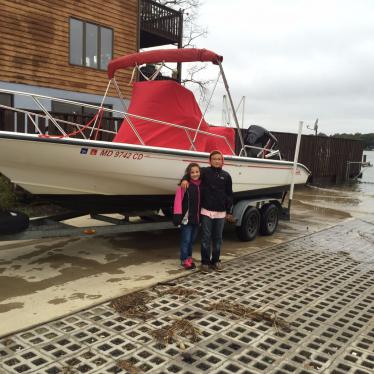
x=84, y=44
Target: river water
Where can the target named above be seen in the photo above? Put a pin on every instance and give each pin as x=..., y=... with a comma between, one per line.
x=356, y=199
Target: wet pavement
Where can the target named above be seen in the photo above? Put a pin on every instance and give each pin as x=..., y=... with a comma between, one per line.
x=43, y=280
x=317, y=290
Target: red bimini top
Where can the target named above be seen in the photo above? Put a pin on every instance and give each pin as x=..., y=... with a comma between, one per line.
x=168, y=101
x=162, y=55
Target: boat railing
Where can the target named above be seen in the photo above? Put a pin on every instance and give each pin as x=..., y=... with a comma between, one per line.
x=263, y=152
x=54, y=126
x=35, y=119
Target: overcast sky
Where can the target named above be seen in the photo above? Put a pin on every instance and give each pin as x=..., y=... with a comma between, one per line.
x=295, y=60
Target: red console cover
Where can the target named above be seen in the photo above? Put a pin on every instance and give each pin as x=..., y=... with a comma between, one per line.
x=168, y=101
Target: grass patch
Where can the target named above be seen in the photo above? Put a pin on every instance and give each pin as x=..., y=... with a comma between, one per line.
x=16, y=198
x=240, y=311
x=133, y=305
x=8, y=198
x=179, y=328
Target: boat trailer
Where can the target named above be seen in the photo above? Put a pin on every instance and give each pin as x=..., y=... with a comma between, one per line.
x=251, y=216
x=55, y=227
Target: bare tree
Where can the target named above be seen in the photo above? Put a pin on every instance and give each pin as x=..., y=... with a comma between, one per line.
x=192, y=31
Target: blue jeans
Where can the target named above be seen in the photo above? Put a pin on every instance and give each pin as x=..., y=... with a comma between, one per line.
x=188, y=237
x=211, y=233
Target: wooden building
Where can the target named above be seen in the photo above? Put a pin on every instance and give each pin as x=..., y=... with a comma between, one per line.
x=62, y=48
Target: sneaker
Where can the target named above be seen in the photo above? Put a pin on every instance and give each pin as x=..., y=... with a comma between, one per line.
x=205, y=269
x=187, y=264
x=183, y=261
x=193, y=266
x=217, y=266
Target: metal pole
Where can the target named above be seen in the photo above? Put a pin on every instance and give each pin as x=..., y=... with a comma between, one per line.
x=203, y=115
x=180, y=45
x=295, y=166
x=224, y=116
x=48, y=115
x=347, y=171
x=232, y=107
x=101, y=107
x=119, y=93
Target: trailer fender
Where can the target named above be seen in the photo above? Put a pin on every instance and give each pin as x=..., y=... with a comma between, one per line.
x=239, y=209
x=241, y=206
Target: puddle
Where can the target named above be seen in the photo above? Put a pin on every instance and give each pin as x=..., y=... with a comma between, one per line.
x=57, y=301
x=10, y=306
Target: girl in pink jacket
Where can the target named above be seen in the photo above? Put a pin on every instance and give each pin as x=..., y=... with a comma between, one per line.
x=187, y=214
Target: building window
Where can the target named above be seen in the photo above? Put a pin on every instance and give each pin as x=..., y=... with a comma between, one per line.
x=90, y=45
x=6, y=99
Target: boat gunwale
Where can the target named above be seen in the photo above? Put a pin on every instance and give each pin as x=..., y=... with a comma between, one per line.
x=143, y=148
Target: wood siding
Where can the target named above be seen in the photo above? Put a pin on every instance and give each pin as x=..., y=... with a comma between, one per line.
x=326, y=157
x=34, y=42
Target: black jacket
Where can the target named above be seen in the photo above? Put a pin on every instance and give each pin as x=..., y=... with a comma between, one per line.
x=191, y=203
x=216, y=190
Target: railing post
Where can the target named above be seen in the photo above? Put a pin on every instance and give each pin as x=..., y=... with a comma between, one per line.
x=180, y=45
x=294, y=168
x=347, y=171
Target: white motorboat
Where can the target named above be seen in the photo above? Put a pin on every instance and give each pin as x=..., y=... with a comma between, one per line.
x=141, y=167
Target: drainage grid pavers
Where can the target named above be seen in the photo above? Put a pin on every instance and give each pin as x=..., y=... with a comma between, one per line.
x=195, y=360
x=287, y=367
x=320, y=284
x=364, y=343
x=359, y=358
x=116, y=347
x=26, y=362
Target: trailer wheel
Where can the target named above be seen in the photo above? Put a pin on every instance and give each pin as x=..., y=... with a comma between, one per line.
x=248, y=230
x=269, y=219
x=12, y=222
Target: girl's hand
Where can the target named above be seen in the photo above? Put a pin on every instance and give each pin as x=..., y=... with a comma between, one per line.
x=230, y=218
x=185, y=185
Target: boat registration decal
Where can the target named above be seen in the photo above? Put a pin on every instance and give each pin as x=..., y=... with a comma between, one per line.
x=111, y=153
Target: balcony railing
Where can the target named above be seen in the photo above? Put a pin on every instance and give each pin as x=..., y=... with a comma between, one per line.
x=159, y=25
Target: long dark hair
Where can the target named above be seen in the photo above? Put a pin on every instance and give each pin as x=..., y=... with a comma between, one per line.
x=189, y=168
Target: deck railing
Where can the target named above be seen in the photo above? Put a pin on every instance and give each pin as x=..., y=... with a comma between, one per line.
x=160, y=20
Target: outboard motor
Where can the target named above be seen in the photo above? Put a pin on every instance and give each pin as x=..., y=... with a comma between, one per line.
x=259, y=137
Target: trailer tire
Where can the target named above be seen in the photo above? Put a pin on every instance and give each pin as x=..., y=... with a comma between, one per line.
x=12, y=222
x=250, y=226
x=269, y=219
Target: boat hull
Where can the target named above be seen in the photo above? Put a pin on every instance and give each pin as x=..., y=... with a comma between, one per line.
x=102, y=176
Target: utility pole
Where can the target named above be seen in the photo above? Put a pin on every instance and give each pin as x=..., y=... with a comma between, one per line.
x=314, y=128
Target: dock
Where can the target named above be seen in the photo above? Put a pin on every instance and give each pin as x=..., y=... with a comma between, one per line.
x=315, y=294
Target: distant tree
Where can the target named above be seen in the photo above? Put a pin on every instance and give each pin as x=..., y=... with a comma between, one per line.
x=367, y=139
